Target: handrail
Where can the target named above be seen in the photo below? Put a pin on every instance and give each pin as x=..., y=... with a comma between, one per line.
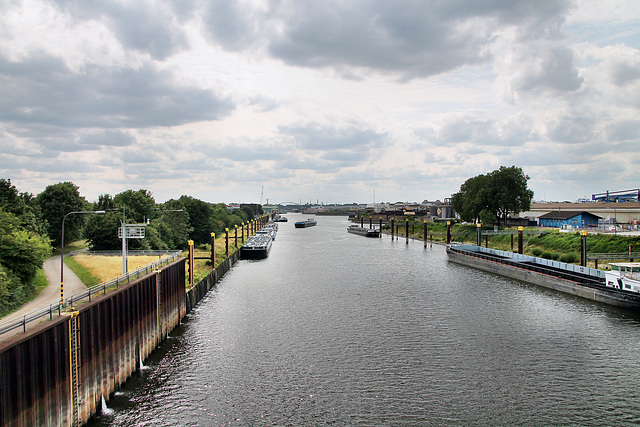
x=98, y=289
x=619, y=255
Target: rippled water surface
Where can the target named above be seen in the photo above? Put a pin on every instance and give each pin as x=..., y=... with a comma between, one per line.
x=335, y=328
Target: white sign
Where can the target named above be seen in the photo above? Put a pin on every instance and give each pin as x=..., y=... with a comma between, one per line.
x=132, y=231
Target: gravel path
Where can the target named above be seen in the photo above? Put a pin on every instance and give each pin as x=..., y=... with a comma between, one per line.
x=51, y=294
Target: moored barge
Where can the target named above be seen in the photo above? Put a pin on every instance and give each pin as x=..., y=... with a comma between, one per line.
x=572, y=279
x=367, y=232
x=256, y=247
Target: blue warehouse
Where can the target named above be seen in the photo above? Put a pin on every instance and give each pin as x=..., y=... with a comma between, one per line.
x=574, y=219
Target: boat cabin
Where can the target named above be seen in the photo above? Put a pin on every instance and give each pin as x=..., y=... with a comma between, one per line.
x=624, y=275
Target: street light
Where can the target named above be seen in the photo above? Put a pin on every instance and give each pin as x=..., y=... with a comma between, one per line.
x=160, y=227
x=62, y=251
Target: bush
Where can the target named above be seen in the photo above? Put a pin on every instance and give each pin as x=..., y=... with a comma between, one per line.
x=569, y=258
x=546, y=255
x=536, y=252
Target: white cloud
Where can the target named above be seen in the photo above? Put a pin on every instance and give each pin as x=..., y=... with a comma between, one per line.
x=316, y=100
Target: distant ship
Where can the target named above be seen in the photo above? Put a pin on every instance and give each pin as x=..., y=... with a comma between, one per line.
x=306, y=223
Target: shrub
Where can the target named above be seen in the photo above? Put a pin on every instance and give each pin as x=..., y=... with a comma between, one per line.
x=569, y=258
x=546, y=255
x=536, y=252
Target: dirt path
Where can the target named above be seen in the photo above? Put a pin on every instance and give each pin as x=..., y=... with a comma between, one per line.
x=51, y=294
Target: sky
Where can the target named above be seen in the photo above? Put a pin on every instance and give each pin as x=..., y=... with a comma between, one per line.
x=355, y=101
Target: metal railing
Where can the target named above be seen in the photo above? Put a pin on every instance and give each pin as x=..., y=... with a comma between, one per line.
x=87, y=294
x=613, y=256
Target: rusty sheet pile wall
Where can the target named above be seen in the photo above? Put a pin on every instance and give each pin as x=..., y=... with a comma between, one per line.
x=57, y=373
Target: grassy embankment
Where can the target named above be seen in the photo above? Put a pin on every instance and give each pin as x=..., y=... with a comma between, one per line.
x=95, y=269
x=550, y=244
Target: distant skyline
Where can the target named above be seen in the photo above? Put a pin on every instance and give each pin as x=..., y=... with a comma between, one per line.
x=319, y=101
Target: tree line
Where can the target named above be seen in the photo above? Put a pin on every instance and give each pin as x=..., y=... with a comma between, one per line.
x=31, y=226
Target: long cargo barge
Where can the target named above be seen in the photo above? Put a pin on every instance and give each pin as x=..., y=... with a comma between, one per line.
x=367, y=232
x=306, y=223
x=257, y=247
x=572, y=279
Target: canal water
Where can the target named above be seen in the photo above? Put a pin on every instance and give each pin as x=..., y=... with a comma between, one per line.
x=335, y=328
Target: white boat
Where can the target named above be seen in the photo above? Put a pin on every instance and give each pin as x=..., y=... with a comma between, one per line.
x=624, y=276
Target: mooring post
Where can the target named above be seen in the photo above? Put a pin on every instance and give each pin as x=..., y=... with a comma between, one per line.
x=361, y=221
x=213, y=250
x=406, y=230
x=370, y=223
x=511, y=242
x=583, y=248
x=226, y=233
x=479, y=234
x=236, y=236
x=380, y=235
x=424, y=232
x=520, y=242
x=242, y=232
x=392, y=221
x=448, y=232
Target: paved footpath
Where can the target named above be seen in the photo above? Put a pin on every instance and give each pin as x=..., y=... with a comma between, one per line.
x=50, y=294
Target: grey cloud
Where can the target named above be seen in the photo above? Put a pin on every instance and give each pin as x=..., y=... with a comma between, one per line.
x=412, y=39
x=145, y=27
x=321, y=138
x=548, y=67
x=108, y=138
x=628, y=130
x=42, y=90
x=571, y=129
x=480, y=130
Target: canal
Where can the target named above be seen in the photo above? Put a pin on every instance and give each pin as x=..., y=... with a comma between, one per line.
x=335, y=328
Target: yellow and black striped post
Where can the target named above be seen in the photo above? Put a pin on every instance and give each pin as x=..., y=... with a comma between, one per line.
x=226, y=233
x=213, y=250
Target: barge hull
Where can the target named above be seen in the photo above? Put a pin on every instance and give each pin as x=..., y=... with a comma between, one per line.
x=595, y=293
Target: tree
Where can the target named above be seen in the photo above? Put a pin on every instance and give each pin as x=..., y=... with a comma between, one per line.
x=200, y=219
x=101, y=231
x=22, y=253
x=138, y=205
x=55, y=202
x=175, y=225
x=493, y=196
x=510, y=192
x=22, y=205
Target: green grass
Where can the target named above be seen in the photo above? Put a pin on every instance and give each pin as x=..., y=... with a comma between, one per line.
x=83, y=274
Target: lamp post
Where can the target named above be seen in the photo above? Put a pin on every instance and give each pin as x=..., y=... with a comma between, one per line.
x=160, y=227
x=62, y=251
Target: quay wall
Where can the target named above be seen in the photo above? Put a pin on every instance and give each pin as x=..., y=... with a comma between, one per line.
x=57, y=373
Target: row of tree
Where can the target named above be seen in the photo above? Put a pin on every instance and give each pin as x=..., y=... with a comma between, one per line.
x=31, y=225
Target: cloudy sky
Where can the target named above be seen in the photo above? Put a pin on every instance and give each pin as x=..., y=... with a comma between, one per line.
x=328, y=101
